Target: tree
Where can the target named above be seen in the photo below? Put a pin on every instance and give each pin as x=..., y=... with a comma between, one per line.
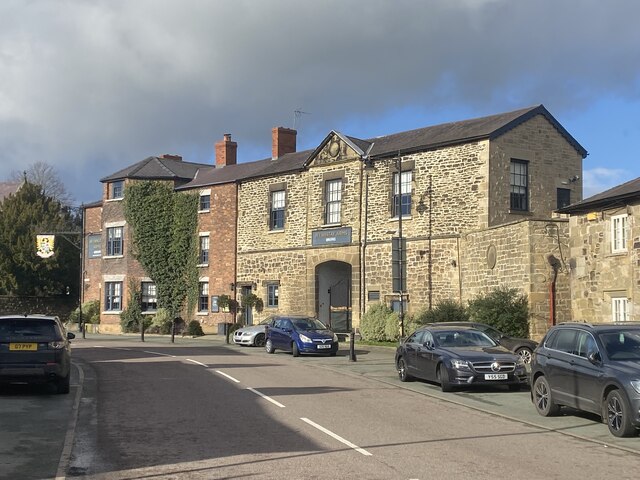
x=23, y=215
x=45, y=175
x=164, y=227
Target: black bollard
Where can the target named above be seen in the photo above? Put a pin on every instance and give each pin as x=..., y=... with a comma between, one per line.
x=352, y=346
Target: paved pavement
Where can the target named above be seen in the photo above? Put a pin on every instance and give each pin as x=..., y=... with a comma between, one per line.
x=377, y=363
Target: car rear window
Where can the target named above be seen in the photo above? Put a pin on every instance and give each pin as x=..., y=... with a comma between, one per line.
x=24, y=327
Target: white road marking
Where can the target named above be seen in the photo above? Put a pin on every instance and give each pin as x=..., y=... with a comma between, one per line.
x=65, y=457
x=266, y=397
x=228, y=376
x=337, y=437
x=158, y=353
x=196, y=362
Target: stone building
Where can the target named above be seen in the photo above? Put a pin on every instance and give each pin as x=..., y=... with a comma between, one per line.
x=473, y=200
x=604, y=255
x=467, y=205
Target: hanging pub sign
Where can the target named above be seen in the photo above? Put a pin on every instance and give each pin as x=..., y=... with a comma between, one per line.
x=44, y=245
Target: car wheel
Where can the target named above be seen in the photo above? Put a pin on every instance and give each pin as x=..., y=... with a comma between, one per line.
x=268, y=346
x=542, y=398
x=618, y=415
x=402, y=371
x=294, y=349
x=62, y=384
x=259, y=340
x=443, y=378
x=525, y=354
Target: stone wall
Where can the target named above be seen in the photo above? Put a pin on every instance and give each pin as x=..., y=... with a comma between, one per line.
x=597, y=274
x=516, y=256
x=552, y=162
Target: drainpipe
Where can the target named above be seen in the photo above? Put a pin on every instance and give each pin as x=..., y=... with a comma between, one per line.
x=555, y=265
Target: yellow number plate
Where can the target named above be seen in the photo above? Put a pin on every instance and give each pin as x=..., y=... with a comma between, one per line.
x=23, y=346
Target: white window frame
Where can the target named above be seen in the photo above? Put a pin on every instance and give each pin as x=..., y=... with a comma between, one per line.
x=204, y=193
x=619, y=233
x=203, y=238
x=115, y=237
x=113, y=296
x=619, y=309
x=203, y=297
x=333, y=201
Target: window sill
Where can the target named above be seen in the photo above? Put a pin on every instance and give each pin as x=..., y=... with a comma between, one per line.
x=276, y=230
x=331, y=225
x=525, y=213
x=202, y=265
x=203, y=313
x=404, y=217
x=149, y=312
x=111, y=312
x=119, y=199
x=204, y=211
x=618, y=253
x=109, y=257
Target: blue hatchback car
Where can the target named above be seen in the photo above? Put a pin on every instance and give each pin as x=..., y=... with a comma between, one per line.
x=300, y=334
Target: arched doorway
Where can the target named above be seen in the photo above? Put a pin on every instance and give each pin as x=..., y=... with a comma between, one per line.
x=333, y=295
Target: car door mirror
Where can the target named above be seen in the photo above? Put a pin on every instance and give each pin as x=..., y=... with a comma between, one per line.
x=594, y=357
x=428, y=345
x=71, y=336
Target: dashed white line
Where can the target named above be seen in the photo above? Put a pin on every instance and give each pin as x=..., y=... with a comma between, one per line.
x=228, y=376
x=196, y=362
x=158, y=353
x=337, y=437
x=266, y=397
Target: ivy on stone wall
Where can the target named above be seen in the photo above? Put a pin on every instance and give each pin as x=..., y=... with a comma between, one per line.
x=164, y=236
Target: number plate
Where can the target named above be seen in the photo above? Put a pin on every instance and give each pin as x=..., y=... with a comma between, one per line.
x=323, y=346
x=495, y=376
x=31, y=347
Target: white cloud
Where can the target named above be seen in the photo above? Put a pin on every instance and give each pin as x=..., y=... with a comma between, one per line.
x=599, y=179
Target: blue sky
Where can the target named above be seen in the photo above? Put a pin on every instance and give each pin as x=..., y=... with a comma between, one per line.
x=91, y=86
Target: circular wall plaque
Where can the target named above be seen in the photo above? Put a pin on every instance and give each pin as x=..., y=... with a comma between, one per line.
x=334, y=148
x=491, y=256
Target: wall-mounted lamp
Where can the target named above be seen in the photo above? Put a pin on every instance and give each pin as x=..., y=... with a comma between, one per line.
x=421, y=207
x=232, y=286
x=573, y=179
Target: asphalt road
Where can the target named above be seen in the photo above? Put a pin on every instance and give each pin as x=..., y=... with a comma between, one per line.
x=202, y=409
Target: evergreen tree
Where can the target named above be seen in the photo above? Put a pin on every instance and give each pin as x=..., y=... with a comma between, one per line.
x=22, y=216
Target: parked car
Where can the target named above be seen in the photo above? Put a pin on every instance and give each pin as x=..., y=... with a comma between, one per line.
x=522, y=346
x=300, y=334
x=590, y=367
x=252, y=335
x=458, y=356
x=35, y=349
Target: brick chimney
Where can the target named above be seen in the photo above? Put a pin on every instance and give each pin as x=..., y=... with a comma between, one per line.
x=169, y=156
x=283, y=141
x=226, y=151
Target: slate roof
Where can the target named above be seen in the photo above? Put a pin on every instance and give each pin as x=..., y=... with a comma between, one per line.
x=8, y=188
x=157, y=168
x=620, y=195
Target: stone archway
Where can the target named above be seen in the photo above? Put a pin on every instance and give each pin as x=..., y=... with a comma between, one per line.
x=334, y=295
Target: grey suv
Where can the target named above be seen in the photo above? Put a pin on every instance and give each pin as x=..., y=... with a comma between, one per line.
x=35, y=349
x=593, y=368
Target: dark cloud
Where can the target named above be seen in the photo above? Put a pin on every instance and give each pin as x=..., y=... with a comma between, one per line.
x=93, y=86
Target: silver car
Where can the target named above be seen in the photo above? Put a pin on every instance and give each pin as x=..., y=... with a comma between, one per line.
x=252, y=335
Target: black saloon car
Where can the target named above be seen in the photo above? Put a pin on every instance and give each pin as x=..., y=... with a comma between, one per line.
x=522, y=346
x=458, y=356
x=590, y=367
x=35, y=349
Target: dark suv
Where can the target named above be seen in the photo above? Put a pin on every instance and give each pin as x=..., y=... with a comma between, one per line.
x=594, y=368
x=35, y=349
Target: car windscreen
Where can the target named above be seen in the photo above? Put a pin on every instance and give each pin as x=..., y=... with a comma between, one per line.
x=622, y=344
x=20, y=328
x=462, y=338
x=308, y=324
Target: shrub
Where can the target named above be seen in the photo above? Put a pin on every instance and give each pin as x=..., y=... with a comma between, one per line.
x=506, y=309
x=195, y=329
x=392, y=327
x=161, y=322
x=374, y=322
x=444, y=311
x=131, y=317
x=90, y=313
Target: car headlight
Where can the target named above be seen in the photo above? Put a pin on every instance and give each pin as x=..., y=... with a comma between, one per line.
x=636, y=385
x=305, y=339
x=335, y=337
x=460, y=364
